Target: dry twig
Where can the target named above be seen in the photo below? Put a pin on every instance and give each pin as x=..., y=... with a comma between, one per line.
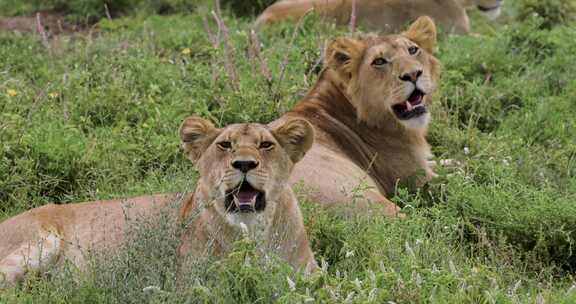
x=42, y=31
x=317, y=64
x=215, y=40
x=228, y=53
x=256, y=55
x=63, y=99
x=107, y=11
x=284, y=65
x=353, y=17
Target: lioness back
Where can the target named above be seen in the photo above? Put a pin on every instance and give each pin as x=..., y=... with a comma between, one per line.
x=44, y=236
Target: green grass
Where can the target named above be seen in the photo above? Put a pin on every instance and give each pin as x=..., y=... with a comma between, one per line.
x=95, y=117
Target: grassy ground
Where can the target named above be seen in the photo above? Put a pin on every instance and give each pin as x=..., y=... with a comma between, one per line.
x=95, y=115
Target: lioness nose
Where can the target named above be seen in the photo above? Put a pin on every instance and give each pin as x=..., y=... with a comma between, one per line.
x=412, y=76
x=244, y=165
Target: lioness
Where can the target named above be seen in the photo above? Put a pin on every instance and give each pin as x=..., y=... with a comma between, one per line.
x=369, y=110
x=244, y=171
x=385, y=15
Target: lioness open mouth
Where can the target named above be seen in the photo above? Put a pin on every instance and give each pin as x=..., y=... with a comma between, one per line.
x=244, y=198
x=412, y=107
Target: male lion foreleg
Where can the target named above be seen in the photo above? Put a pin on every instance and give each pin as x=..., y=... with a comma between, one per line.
x=31, y=256
x=390, y=209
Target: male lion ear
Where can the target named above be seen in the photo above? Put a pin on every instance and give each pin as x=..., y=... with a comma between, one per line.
x=197, y=134
x=342, y=54
x=295, y=136
x=423, y=32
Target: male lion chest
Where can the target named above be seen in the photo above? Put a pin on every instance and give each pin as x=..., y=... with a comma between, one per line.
x=399, y=168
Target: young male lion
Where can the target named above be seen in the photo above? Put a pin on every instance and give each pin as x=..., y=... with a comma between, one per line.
x=384, y=15
x=244, y=171
x=369, y=110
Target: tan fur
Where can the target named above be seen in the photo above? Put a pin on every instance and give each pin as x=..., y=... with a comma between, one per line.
x=383, y=15
x=361, y=149
x=48, y=235
x=279, y=227
x=44, y=236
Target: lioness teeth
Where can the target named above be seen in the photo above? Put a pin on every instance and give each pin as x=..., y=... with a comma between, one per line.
x=244, y=202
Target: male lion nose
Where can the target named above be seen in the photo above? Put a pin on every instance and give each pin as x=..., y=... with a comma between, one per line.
x=244, y=165
x=412, y=76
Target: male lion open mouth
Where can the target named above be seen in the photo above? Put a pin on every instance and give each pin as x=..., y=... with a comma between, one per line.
x=412, y=107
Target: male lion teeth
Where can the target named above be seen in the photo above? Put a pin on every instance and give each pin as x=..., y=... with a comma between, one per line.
x=409, y=106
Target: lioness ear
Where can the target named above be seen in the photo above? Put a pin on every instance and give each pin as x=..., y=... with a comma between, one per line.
x=295, y=136
x=197, y=134
x=342, y=54
x=423, y=32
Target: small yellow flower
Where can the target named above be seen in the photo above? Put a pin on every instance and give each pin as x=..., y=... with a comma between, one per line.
x=11, y=92
x=53, y=95
x=186, y=51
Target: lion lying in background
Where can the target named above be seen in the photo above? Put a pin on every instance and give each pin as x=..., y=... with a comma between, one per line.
x=369, y=110
x=384, y=15
x=244, y=171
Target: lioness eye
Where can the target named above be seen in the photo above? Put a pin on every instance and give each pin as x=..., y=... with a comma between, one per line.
x=379, y=61
x=412, y=50
x=224, y=145
x=266, y=145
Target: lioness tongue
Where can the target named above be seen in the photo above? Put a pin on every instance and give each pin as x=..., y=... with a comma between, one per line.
x=246, y=196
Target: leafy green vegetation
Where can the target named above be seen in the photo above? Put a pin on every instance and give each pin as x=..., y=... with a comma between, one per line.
x=95, y=117
x=550, y=12
x=89, y=11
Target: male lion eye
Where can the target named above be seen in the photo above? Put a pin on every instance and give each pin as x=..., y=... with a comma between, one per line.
x=379, y=62
x=266, y=145
x=224, y=145
x=412, y=50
